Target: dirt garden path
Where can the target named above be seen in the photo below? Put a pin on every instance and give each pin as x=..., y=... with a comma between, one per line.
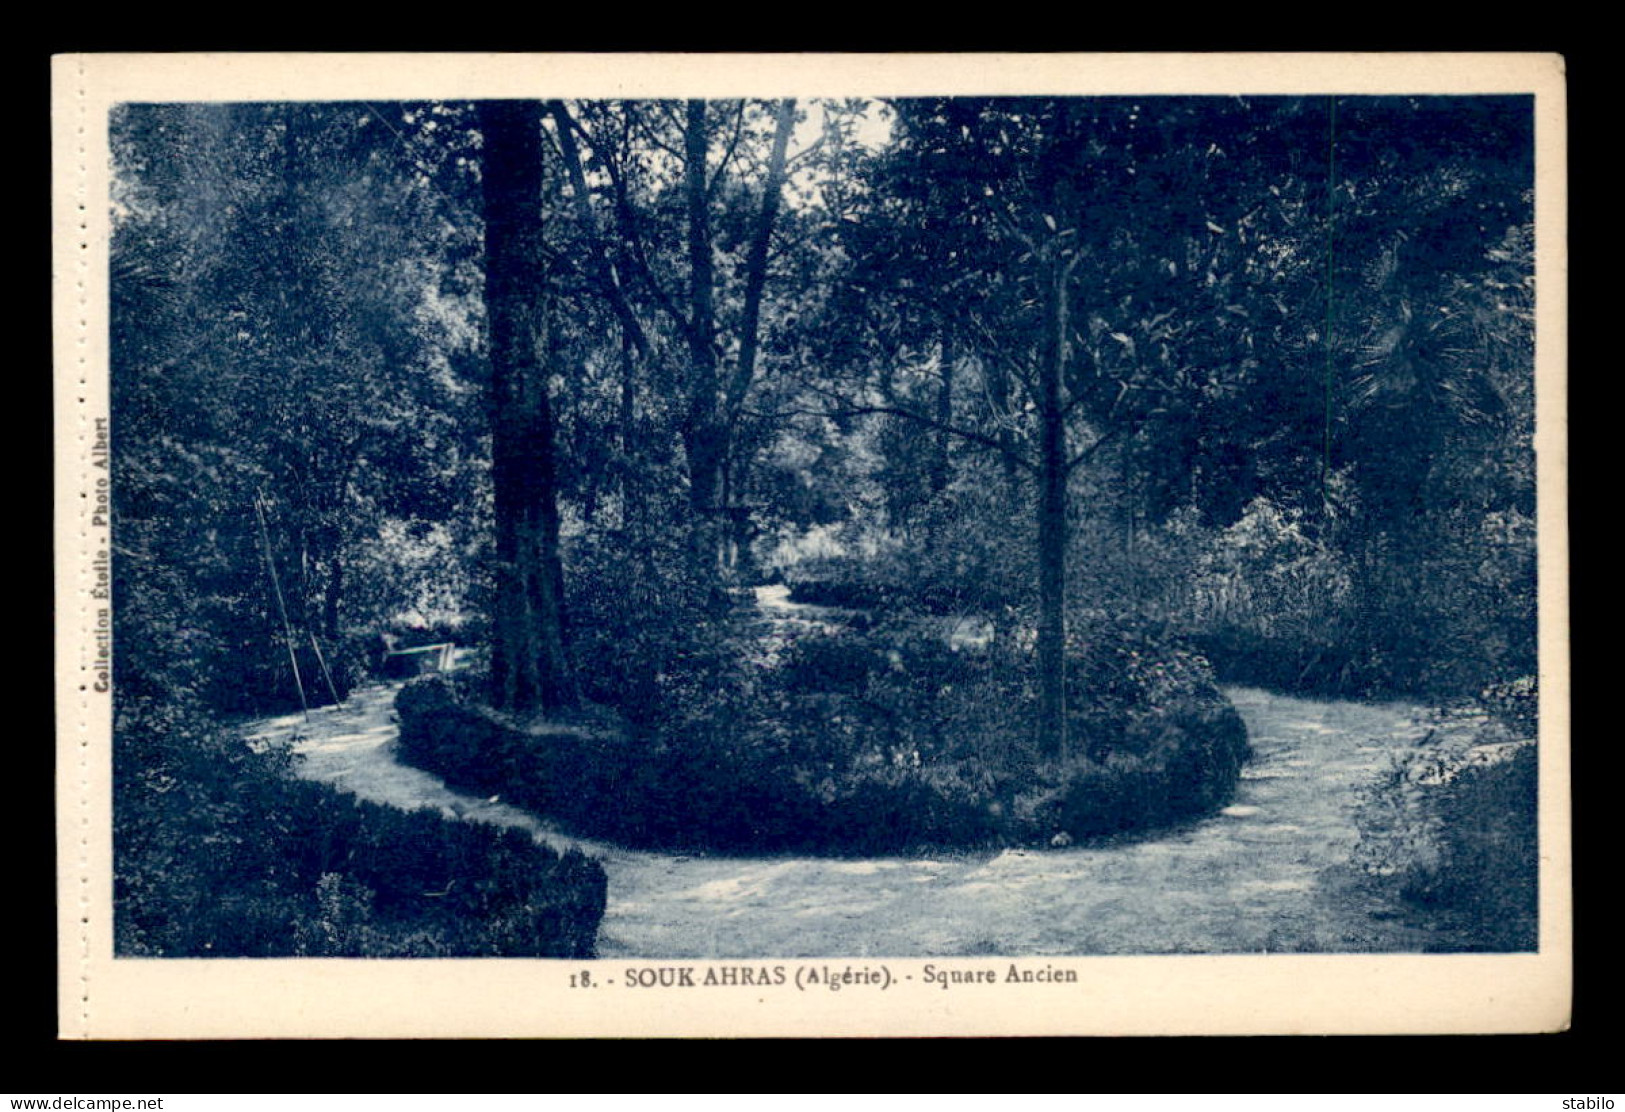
x=1260, y=876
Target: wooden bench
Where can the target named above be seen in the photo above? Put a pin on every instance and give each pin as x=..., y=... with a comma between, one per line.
x=419, y=659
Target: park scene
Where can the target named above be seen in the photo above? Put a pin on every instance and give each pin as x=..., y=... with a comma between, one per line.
x=913, y=527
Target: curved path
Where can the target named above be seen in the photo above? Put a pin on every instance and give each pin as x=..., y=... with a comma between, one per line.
x=1261, y=876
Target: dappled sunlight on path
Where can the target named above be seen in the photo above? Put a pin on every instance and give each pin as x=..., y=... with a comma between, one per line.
x=1247, y=880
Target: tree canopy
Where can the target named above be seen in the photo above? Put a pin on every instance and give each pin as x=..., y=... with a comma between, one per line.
x=1027, y=357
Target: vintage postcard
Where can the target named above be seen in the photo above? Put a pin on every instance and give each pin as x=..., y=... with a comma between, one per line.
x=728, y=546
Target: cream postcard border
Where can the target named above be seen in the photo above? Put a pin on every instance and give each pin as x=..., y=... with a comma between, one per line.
x=101, y=997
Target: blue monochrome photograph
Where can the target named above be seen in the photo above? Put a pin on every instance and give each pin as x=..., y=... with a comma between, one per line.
x=1026, y=527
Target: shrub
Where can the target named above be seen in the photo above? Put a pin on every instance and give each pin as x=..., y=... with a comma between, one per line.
x=643, y=630
x=697, y=782
x=1340, y=603
x=1297, y=663
x=823, y=662
x=481, y=890
x=839, y=582
x=1173, y=764
x=1515, y=704
x=1488, y=861
x=1454, y=829
x=875, y=741
x=919, y=579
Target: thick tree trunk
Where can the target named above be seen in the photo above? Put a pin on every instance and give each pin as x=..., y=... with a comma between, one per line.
x=1052, y=524
x=529, y=670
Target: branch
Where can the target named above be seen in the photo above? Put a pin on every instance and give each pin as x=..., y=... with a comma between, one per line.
x=602, y=272
x=811, y=148
x=668, y=109
x=1023, y=368
x=649, y=133
x=952, y=430
x=850, y=410
x=756, y=263
x=727, y=155
x=627, y=217
x=1088, y=453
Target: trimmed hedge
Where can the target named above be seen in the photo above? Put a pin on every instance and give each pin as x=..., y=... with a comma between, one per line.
x=600, y=779
x=873, y=742
x=1176, y=766
x=218, y=854
x=489, y=890
x=870, y=594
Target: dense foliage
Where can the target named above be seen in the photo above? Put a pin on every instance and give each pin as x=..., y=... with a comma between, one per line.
x=1453, y=827
x=291, y=478
x=874, y=741
x=1098, y=378
x=1298, y=389
x=221, y=853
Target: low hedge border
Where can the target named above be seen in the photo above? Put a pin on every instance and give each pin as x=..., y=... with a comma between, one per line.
x=780, y=783
x=489, y=890
x=294, y=869
x=326, y=875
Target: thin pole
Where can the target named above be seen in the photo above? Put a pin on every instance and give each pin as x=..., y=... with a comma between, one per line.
x=282, y=606
x=320, y=659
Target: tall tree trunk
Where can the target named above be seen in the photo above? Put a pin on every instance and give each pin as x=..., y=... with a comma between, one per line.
x=756, y=260
x=703, y=432
x=626, y=418
x=634, y=340
x=1052, y=524
x=732, y=530
x=714, y=405
x=529, y=670
x=332, y=597
x=940, y=471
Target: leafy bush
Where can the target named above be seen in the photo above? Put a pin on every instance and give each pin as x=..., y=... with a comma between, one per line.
x=875, y=741
x=1515, y=704
x=264, y=681
x=1488, y=860
x=960, y=550
x=921, y=579
x=1304, y=664
x=643, y=630
x=696, y=785
x=1454, y=829
x=836, y=589
x=1334, y=603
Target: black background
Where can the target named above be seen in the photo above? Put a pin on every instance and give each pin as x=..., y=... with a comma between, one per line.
x=1586, y=1059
